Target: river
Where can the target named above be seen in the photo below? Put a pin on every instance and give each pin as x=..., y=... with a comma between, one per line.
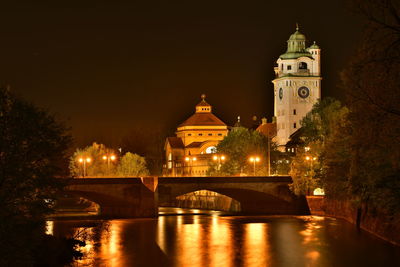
x=187, y=237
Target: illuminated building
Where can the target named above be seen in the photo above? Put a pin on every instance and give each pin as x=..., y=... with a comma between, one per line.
x=297, y=86
x=189, y=152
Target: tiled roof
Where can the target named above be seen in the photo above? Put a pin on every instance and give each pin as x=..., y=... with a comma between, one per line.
x=267, y=129
x=194, y=144
x=175, y=142
x=202, y=119
x=203, y=103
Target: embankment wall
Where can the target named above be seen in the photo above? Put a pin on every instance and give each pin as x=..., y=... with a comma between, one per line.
x=371, y=220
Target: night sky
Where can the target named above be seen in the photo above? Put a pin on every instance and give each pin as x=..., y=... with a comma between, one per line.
x=107, y=68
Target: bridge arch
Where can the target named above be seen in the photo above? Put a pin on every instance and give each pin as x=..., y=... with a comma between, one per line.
x=274, y=198
x=207, y=199
x=251, y=201
x=98, y=198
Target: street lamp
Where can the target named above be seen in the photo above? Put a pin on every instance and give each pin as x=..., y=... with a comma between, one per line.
x=254, y=160
x=219, y=158
x=310, y=159
x=190, y=161
x=84, y=161
x=109, y=158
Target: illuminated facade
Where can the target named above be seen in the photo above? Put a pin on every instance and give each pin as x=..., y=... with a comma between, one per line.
x=189, y=152
x=297, y=86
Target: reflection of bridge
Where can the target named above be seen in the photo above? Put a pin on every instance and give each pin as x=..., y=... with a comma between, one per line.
x=140, y=197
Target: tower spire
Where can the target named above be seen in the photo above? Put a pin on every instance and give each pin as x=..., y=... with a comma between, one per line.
x=297, y=26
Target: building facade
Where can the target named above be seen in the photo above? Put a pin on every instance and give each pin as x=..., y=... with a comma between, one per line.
x=297, y=86
x=189, y=152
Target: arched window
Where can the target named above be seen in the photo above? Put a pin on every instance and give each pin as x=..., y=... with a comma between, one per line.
x=211, y=149
x=170, y=161
x=302, y=66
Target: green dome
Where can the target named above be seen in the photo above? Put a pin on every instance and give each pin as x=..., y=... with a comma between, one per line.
x=296, y=46
x=314, y=46
x=297, y=36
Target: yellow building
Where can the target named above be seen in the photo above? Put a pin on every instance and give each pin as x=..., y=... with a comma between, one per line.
x=188, y=153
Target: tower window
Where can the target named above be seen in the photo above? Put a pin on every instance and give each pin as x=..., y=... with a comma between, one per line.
x=200, y=134
x=294, y=125
x=294, y=112
x=302, y=66
x=289, y=67
x=189, y=134
x=210, y=134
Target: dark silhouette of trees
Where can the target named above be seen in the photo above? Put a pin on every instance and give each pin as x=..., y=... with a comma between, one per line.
x=33, y=149
x=148, y=143
x=372, y=85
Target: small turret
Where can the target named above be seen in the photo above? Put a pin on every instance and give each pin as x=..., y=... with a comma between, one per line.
x=203, y=106
x=315, y=52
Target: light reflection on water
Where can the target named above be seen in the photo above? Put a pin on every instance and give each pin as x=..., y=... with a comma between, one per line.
x=256, y=250
x=213, y=240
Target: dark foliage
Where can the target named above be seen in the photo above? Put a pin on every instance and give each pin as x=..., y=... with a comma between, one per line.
x=33, y=153
x=372, y=84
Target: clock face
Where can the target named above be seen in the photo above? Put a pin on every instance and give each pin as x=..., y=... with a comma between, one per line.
x=280, y=93
x=303, y=92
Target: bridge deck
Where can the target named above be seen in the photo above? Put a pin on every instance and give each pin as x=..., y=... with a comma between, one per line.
x=225, y=179
x=182, y=180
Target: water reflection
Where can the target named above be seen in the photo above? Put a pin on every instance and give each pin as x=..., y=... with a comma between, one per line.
x=111, y=244
x=213, y=240
x=256, y=250
x=49, y=230
x=220, y=243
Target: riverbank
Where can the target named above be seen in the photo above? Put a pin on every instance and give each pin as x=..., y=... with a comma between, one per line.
x=373, y=221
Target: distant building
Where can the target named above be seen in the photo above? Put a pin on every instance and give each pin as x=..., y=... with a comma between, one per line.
x=189, y=152
x=267, y=128
x=297, y=85
x=296, y=141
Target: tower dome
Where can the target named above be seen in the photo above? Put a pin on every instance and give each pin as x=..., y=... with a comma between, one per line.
x=297, y=36
x=296, y=46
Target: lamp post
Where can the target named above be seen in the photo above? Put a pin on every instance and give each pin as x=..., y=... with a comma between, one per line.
x=84, y=161
x=190, y=161
x=310, y=159
x=254, y=160
x=219, y=158
x=109, y=158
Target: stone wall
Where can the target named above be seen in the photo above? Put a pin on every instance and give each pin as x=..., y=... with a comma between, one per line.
x=371, y=220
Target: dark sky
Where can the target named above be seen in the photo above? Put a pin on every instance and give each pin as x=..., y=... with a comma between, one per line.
x=109, y=67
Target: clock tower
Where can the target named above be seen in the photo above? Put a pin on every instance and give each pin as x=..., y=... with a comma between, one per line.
x=297, y=86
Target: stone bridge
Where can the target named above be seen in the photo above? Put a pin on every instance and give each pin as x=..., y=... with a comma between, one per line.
x=140, y=197
x=257, y=195
x=118, y=197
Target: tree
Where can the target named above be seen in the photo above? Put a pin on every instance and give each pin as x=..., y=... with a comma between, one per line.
x=318, y=127
x=147, y=142
x=371, y=83
x=132, y=165
x=98, y=166
x=33, y=153
x=238, y=146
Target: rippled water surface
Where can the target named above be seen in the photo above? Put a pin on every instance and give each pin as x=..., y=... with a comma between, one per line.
x=203, y=238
